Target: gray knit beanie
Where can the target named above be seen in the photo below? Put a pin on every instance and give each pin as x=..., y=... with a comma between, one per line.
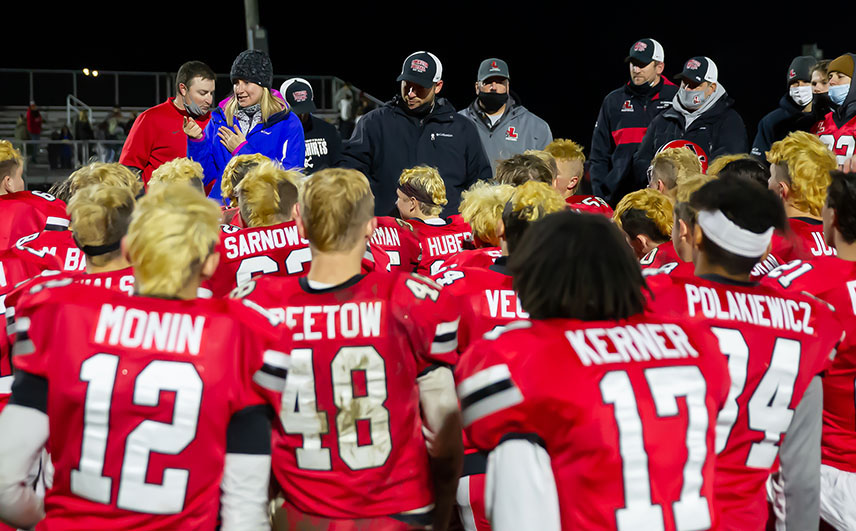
x=253, y=66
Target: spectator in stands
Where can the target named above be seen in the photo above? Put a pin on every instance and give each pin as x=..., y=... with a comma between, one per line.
x=793, y=112
x=820, y=77
x=323, y=144
x=417, y=128
x=59, y=155
x=251, y=120
x=34, y=128
x=624, y=117
x=21, y=133
x=702, y=113
x=505, y=127
x=156, y=136
x=346, y=108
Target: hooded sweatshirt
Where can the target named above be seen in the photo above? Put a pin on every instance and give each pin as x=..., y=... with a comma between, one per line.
x=715, y=127
x=838, y=128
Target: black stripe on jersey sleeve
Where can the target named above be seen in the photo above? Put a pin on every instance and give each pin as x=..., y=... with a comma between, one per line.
x=274, y=371
x=443, y=338
x=249, y=431
x=416, y=519
x=474, y=463
x=485, y=392
x=534, y=438
x=29, y=390
x=432, y=367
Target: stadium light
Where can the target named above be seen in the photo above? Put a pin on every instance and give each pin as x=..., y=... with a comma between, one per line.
x=85, y=71
x=95, y=73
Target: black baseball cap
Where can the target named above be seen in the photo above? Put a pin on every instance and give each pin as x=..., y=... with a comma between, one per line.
x=298, y=94
x=492, y=67
x=699, y=69
x=644, y=51
x=422, y=68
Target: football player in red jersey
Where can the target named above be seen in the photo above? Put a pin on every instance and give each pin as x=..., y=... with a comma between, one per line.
x=833, y=279
x=776, y=344
x=799, y=175
x=152, y=419
x=421, y=197
x=570, y=162
x=181, y=170
x=645, y=216
x=837, y=130
x=398, y=240
x=234, y=172
x=370, y=381
x=579, y=407
x=481, y=207
x=487, y=301
x=270, y=244
x=22, y=212
x=668, y=165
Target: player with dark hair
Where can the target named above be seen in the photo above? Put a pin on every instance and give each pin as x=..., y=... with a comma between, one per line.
x=776, y=343
x=562, y=403
x=370, y=383
x=833, y=279
x=747, y=168
x=147, y=403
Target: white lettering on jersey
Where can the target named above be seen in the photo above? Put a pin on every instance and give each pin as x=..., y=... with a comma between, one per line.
x=504, y=303
x=641, y=342
x=348, y=320
x=783, y=314
x=242, y=244
x=135, y=328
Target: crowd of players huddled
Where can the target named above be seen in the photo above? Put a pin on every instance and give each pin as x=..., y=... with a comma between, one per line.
x=290, y=360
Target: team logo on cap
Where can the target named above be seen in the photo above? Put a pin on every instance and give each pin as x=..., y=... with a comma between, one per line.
x=640, y=46
x=494, y=67
x=301, y=96
x=792, y=73
x=511, y=133
x=418, y=65
x=692, y=64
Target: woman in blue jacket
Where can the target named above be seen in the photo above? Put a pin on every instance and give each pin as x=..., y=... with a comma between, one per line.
x=253, y=119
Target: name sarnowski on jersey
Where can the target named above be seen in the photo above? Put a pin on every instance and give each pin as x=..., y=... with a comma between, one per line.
x=623, y=344
x=240, y=244
x=348, y=320
x=756, y=309
x=162, y=331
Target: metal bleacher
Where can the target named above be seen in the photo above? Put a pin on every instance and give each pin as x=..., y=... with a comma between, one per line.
x=61, y=94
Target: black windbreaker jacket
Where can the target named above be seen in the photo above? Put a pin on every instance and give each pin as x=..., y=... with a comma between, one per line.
x=388, y=140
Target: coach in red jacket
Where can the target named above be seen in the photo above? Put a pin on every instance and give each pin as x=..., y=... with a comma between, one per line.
x=156, y=136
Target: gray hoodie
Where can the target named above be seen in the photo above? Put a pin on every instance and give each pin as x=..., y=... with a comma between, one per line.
x=690, y=116
x=515, y=132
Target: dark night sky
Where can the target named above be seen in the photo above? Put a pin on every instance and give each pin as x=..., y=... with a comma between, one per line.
x=562, y=60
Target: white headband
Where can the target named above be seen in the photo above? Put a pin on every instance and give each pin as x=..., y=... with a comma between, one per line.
x=726, y=234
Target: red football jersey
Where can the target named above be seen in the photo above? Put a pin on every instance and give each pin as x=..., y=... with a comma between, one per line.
x=684, y=269
x=440, y=239
x=397, y=238
x=840, y=140
x=142, y=391
x=805, y=242
x=118, y=280
x=659, y=256
x=485, y=297
x=626, y=410
x=59, y=243
x=23, y=213
x=775, y=343
x=275, y=250
x=591, y=204
x=482, y=257
x=352, y=445
x=834, y=281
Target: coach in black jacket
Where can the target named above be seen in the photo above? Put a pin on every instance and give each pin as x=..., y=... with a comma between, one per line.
x=416, y=128
x=702, y=113
x=623, y=119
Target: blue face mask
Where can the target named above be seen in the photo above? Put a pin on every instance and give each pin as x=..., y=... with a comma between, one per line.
x=838, y=93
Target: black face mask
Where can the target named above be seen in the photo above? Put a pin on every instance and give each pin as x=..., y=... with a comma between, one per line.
x=492, y=101
x=419, y=112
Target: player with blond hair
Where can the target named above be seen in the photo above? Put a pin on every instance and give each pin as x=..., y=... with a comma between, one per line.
x=110, y=173
x=121, y=368
x=24, y=212
x=421, y=197
x=370, y=381
x=481, y=206
x=668, y=166
x=799, y=175
x=179, y=170
x=569, y=178
x=235, y=170
x=270, y=243
x=645, y=216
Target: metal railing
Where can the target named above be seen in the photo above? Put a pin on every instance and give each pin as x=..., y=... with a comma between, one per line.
x=134, y=89
x=74, y=105
x=47, y=161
